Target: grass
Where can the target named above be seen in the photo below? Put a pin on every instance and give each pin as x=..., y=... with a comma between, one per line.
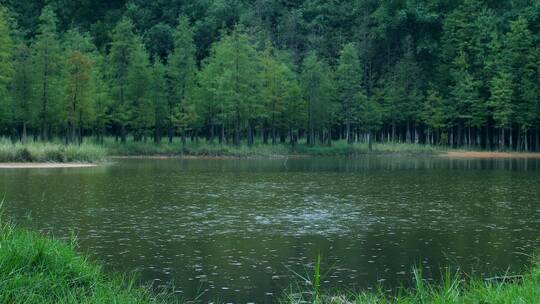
x=88, y=152
x=456, y=288
x=50, y=152
x=41, y=270
x=202, y=148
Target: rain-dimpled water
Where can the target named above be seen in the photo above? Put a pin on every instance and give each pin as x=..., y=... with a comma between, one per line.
x=246, y=230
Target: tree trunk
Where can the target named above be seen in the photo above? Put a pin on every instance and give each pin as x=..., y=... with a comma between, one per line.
x=211, y=135
x=537, y=140
x=265, y=134
x=501, y=140
x=348, y=133
x=184, y=142
x=469, y=138
x=250, y=135
x=526, y=141
x=408, y=132
x=123, y=136
x=222, y=134
x=511, y=140
x=518, y=147
x=329, y=137
x=488, y=138
x=24, y=133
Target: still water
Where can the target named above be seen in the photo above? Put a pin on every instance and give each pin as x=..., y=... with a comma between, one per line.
x=239, y=230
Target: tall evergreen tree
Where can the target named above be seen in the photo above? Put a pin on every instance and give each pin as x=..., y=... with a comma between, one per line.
x=158, y=97
x=139, y=109
x=520, y=62
x=22, y=90
x=48, y=72
x=501, y=102
x=349, y=77
x=317, y=90
x=77, y=93
x=181, y=70
x=6, y=68
x=120, y=57
x=77, y=83
x=370, y=116
x=231, y=73
x=276, y=91
x=100, y=98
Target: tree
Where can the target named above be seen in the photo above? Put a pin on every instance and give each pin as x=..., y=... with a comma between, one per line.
x=158, y=98
x=100, y=98
x=317, y=90
x=77, y=85
x=349, y=77
x=501, y=103
x=6, y=67
x=181, y=72
x=139, y=107
x=77, y=93
x=433, y=115
x=48, y=70
x=22, y=93
x=521, y=63
x=464, y=96
x=276, y=89
x=231, y=84
x=370, y=116
x=120, y=57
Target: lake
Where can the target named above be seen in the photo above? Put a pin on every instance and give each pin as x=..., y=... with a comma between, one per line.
x=244, y=230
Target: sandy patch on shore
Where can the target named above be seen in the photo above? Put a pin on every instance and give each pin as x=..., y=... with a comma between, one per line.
x=466, y=154
x=43, y=165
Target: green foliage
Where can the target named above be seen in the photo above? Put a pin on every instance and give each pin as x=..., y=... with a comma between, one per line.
x=78, y=86
x=230, y=84
x=501, y=100
x=120, y=58
x=6, y=68
x=22, y=95
x=139, y=104
x=39, y=269
x=317, y=91
x=48, y=71
x=181, y=73
x=436, y=72
x=349, y=88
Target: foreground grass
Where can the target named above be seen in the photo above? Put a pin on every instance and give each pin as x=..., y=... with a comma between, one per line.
x=38, y=269
x=50, y=152
x=455, y=289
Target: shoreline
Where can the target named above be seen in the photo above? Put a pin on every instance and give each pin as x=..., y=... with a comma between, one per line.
x=29, y=165
x=489, y=155
x=459, y=155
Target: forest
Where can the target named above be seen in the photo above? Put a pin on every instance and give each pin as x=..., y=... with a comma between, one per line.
x=438, y=72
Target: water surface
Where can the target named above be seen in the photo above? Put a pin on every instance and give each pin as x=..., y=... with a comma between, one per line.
x=239, y=230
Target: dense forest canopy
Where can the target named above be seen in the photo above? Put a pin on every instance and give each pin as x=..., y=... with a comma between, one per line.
x=459, y=73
